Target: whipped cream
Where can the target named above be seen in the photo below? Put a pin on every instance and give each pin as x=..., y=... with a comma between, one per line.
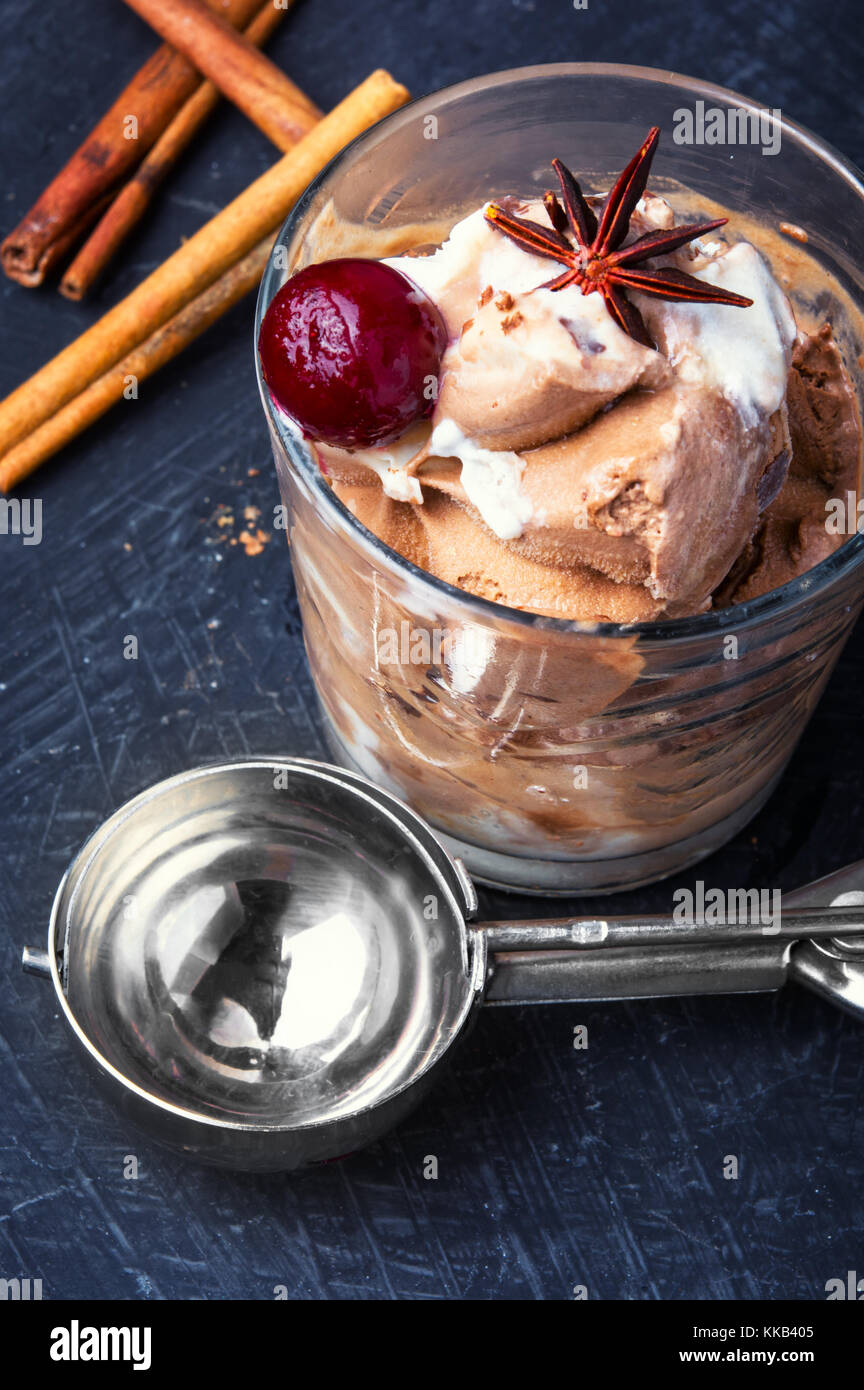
x=492, y=479
x=744, y=353
x=545, y=362
x=390, y=462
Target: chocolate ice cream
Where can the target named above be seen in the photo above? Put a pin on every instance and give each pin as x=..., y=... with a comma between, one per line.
x=571, y=471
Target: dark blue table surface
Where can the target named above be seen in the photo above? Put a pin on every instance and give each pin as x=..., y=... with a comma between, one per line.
x=557, y=1167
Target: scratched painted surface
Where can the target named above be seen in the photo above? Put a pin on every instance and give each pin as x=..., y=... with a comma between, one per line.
x=557, y=1167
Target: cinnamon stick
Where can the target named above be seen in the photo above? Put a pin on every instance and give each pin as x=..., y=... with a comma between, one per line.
x=72, y=201
x=220, y=243
x=245, y=76
x=56, y=253
x=142, y=362
x=127, y=209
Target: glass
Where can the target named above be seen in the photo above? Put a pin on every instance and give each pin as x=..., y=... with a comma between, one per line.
x=555, y=757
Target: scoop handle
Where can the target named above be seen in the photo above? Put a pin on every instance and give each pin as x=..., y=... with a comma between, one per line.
x=632, y=972
x=833, y=969
x=35, y=962
x=592, y=958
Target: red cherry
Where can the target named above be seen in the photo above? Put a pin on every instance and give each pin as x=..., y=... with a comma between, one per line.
x=347, y=350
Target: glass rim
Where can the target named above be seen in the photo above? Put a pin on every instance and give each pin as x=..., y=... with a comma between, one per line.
x=804, y=588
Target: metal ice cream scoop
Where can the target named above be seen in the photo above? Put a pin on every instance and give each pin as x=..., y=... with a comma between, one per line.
x=266, y=960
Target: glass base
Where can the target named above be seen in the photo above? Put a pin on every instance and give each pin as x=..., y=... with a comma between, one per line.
x=566, y=877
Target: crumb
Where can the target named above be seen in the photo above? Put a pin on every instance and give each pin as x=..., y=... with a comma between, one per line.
x=485, y=296
x=126, y=545
x=428, y=248
x=251, y=513
x=466, y=325
x=512, y=321
x=504, y=301
x=252, y=472
x=226, y=519
x=794, y=231
x=253, y=542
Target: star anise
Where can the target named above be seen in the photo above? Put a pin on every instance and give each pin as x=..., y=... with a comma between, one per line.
x=599, y=261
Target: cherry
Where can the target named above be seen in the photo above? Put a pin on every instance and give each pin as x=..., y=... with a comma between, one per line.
x=348, y=348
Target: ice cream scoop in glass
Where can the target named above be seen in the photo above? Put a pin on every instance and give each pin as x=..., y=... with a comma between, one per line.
x=586, y=722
